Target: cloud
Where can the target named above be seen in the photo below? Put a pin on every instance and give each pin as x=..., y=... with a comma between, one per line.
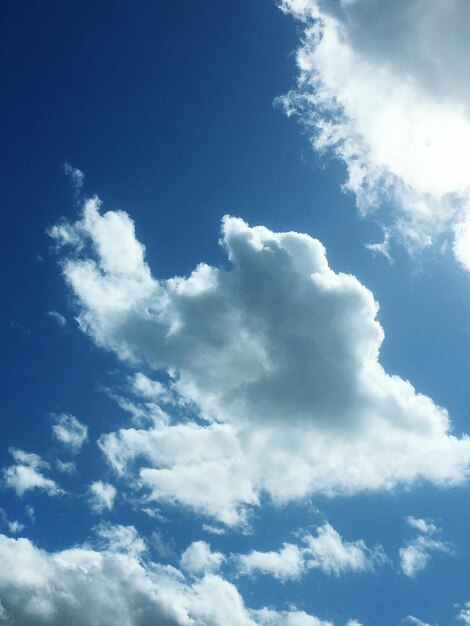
x=75, y=176
x=383, y=87
x=69, y=431
x=278, y=356
x=25, y=475
x=101, y=496
x=114, y=585
x=287, y=564
x=150, y=389
x=14, y=527
x=326, y=551
x=60, y=319
x=416, y=554
x=464, y=614
x=410, y=619
x=199, y=559
x=427, y=527
x=120, y=539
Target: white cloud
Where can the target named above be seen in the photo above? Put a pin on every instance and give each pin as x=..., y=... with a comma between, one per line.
x=25, y=475
x=83, y=586
x=280, y=357
x=392, y=107
x=464, y=614
x=120, y=539
x=75, y=176
x=198, y=558
x=410, y=619
x=69, y=431
x=149, y=389
x=60, y=319
x=287, y=564
x=101, y=496
x=326, y=551
x=425, y=526
x=14, y=526
x=416, y=554
x=67, y=467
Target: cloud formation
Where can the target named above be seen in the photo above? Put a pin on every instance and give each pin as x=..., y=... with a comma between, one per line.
x=278, y=355
x=416, y=554
x=26, y=474
x=69, y=431
x=326, y=551
x=101, y=496
x=114, y=585
x=384, y=88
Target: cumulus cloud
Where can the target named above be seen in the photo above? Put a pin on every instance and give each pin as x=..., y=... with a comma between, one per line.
x=279, y=357
x=101, y=496
x=69, y=431
x=416, y=554
x=198, y=558
x=464, y=614
x=26, y=474
x=383, y=86
x=326, y=551
x=114, y=585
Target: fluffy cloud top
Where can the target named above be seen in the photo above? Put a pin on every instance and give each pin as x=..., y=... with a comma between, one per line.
x=280, y=357
x=26, y=474
x=199, y=558
x=326, y=551
x=83, y=586
x=384, y=86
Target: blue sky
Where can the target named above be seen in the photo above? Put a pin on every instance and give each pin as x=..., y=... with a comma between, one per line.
x=203, y=414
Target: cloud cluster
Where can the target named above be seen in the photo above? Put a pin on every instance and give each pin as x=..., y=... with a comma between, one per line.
x=114, y=585
x=384, y=88
x=326, y=551
x=279, y=357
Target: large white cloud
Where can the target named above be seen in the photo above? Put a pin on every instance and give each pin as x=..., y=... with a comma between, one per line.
x=279, y=357
x=115, y=585
x=384, y=86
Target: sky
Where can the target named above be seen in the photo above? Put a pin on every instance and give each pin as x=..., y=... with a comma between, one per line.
x=234, y=313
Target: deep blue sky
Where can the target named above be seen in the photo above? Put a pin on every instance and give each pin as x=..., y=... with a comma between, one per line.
x=168, y=109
